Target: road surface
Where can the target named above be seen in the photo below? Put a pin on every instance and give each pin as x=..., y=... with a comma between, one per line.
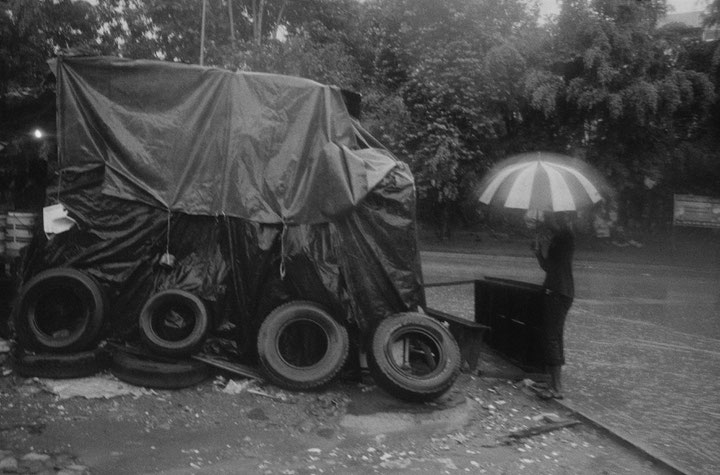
x=642, y=345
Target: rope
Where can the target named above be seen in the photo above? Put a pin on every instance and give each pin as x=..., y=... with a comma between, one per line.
x=282, y=249
x=59, y=184
x=167, y=240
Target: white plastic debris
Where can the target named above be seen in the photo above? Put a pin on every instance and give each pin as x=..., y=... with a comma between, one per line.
x=235, y=387
x=94, y=387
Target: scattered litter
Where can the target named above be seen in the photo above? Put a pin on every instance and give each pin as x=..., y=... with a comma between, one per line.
x=94, y=387
x=34, y=456
x=280, y=396
x=448, y=463
x=459, y=438
x=547, y=417
x=235, y=387
x=531, y=431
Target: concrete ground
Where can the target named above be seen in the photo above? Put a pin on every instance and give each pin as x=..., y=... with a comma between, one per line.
x=351, y=427
x=490, y=422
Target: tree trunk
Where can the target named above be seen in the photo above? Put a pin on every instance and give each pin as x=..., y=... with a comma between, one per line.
x=202, y=33
x=232, y=25
x=258, y=12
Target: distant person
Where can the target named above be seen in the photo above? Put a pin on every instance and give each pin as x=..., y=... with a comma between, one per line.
x=601, y=225
x=559, y=291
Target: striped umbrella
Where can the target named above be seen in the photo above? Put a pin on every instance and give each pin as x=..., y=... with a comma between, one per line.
x=541, y=181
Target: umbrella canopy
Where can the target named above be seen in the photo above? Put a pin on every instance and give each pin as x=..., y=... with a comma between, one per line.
x=541, y=181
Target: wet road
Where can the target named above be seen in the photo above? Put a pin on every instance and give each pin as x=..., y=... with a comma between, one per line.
x=642, y=345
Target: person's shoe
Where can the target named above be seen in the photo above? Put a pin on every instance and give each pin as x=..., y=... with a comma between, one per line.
x=547, y=394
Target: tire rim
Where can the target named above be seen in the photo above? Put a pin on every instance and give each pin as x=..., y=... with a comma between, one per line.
x=416, y=353
x=59, y=314
x=302, y=343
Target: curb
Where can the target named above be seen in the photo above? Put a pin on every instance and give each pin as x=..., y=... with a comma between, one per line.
x=624, y=439
x=618, y=436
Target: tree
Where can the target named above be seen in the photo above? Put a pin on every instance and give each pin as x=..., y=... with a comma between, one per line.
x=456, y=64
x=624, y=93
x=31, y=32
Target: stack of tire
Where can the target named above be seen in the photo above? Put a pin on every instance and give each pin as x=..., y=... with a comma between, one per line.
x=59, y=316
x=58, y=319
x=173, y=326
x=410, y=355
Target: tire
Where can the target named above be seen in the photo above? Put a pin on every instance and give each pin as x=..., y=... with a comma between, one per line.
x=157, y=373
x=59, y=366
x=320, y=355
x=59, y=311
x=174, y=323
x=413, y=357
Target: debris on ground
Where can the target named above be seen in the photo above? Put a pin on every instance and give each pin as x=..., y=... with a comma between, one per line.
x=537, y=430
x=35, y=462
x=235, y=387
x=259, y=428
x=93, y=387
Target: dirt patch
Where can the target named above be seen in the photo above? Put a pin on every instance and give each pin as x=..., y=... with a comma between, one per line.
x=206, y=429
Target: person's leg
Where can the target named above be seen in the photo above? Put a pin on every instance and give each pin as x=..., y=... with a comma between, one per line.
x=556, y=379
x=556, y=308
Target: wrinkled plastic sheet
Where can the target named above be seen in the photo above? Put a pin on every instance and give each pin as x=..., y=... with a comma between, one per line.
x=261, y=187
x=362, y=267
x=205, y=141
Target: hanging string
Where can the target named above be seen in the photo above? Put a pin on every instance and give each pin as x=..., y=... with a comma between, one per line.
x=167, y=240
x=59, y=185
x=282, y=249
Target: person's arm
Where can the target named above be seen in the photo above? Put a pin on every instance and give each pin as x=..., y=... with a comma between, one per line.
x=542, y=260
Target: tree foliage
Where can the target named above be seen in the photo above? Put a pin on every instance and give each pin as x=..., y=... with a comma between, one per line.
x=624, y=91
x=31, y=32
x=456, y=64
x=450, y=86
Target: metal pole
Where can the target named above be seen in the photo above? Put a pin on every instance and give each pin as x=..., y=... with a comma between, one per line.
x=202, y=33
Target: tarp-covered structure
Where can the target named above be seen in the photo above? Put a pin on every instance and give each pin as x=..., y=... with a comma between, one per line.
x=262, y=186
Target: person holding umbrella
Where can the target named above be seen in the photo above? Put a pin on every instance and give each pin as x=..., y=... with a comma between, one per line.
x=559, y=291
x=548, y=186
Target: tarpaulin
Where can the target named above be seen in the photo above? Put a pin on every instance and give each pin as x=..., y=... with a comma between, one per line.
x=206, y=141
x=139, y=185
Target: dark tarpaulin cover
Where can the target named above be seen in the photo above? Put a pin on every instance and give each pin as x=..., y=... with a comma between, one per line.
x=206, y=141
x=362, y=264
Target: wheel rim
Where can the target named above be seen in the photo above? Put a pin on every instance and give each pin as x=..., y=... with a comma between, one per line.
x=58, y=314
x=416, y=353
x=302, y=343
